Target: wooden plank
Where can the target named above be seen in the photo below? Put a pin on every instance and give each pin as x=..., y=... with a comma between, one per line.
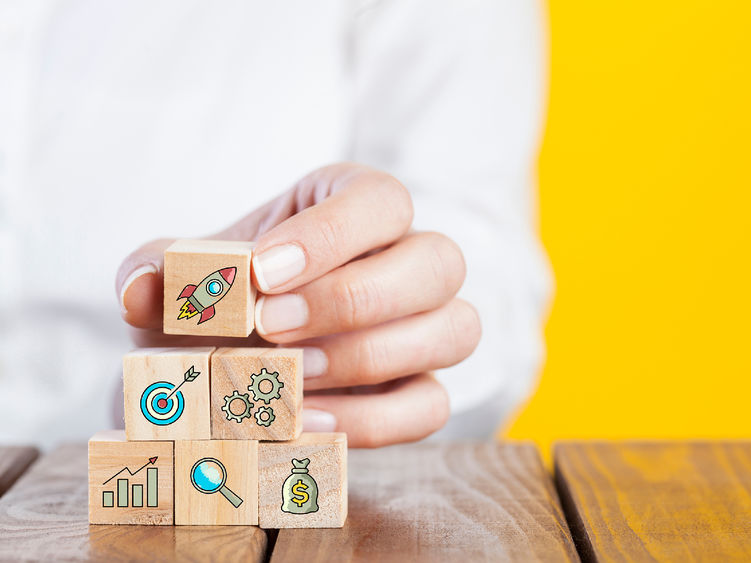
x=14, y=460
x=441, y=502
x=679, y=501
x=44, y=517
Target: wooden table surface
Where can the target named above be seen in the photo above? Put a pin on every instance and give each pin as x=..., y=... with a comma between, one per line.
x=425, y=502
x=681, y=501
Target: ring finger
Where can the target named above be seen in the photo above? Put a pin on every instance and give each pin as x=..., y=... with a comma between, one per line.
x=414, y=344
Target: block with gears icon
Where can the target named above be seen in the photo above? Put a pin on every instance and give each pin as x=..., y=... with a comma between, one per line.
x=256, y=393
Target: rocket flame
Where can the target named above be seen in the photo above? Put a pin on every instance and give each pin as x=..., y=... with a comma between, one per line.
x=187, y=311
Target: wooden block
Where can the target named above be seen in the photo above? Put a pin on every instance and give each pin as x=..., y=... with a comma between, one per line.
x=130, y=482
x=256, y=393
x=216, y=482
x=207, y=289
x=303, y=483
x=167, y=394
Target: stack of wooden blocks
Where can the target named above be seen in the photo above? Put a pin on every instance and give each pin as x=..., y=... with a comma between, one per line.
x=213, y=436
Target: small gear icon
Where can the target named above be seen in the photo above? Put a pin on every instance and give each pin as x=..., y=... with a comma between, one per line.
x=255, y=386
x=264, y=416
x=236, y=395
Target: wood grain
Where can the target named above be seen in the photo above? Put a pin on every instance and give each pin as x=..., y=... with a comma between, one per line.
x=14, y=460
x=688, y=501
x=449, y=502
x=44, y=518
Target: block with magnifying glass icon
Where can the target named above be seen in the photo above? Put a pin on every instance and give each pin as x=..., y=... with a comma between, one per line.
x=216, y=482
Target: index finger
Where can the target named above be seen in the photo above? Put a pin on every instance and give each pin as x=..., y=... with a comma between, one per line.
x=367, y=209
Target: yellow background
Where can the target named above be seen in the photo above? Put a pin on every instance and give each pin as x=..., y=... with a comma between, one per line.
x=645, y=202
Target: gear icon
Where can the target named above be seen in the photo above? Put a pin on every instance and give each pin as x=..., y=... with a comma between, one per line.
x=264, y=416
x=236, y=395
x=255, y=386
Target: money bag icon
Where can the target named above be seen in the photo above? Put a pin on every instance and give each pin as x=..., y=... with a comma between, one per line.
x=300, y=491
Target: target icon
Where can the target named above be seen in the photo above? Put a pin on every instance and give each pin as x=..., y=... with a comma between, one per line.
x=161, y=404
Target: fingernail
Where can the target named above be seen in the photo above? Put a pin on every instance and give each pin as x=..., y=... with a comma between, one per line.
x=280, y=313
x=314, y=362
x=278, y=265
x=314, y=420
x=137, y=273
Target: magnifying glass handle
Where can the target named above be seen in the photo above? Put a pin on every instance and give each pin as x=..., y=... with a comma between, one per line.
x=230, y=496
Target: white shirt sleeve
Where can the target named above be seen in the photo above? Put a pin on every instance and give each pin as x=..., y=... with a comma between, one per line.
x=449, y=98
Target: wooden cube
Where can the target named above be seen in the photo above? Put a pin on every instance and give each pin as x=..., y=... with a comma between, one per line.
x=207, y=289
x=167, y=394
x=256, y=393
x=130, y=482
x=216, y=482
x=303, y=483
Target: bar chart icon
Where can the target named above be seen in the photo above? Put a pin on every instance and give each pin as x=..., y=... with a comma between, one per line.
x=133, y=495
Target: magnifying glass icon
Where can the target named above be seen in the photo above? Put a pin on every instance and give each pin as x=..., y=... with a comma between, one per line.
x=209, y=476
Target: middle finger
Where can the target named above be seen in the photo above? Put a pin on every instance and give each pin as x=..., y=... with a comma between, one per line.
x=419, y=273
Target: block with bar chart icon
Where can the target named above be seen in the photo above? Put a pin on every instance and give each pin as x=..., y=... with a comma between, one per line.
x=130, y=482
x=167, y=393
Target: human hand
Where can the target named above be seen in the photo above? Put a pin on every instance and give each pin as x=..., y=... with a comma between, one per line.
x=341, y=275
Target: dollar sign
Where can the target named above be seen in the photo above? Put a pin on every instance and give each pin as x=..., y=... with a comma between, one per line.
x=298, y=489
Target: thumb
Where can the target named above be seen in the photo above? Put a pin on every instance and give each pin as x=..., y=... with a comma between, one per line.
x=139, y=284
x=140, y=279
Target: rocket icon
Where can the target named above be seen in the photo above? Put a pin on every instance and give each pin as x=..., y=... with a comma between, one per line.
x=201, y=298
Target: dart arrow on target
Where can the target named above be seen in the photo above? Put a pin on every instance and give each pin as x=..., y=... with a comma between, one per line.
x=189, y=376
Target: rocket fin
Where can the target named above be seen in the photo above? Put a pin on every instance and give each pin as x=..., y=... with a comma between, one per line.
x=206, y=314
x=187, y=291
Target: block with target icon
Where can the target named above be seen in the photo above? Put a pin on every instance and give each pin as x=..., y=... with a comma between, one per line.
x=167, y=393
x=256, y=393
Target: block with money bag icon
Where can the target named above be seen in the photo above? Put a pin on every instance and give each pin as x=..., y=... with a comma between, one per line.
x=303, y=483
x=300, y=491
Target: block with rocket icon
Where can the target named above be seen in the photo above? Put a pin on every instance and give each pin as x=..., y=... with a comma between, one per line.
x=207, y=289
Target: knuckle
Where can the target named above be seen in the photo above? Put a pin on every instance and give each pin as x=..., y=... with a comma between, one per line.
x=470, y=321
x=372, y=354
x=396, y=197
x=354, y=301
x=331, y=232
x=441, y=407
x=463, y=328
x=445, y=260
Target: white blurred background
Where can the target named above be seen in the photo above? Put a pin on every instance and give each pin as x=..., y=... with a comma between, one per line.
x=126, y=121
